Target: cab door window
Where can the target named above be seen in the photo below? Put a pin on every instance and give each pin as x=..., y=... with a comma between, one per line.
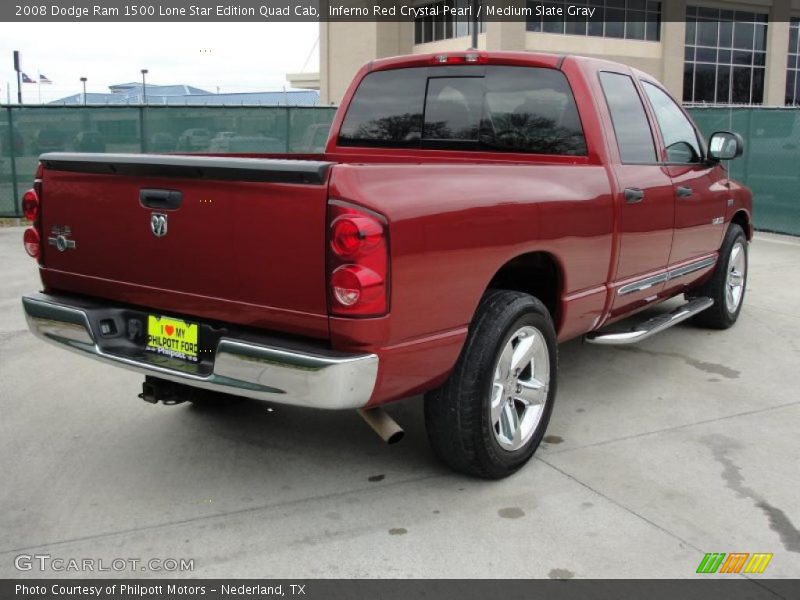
x=680, y=138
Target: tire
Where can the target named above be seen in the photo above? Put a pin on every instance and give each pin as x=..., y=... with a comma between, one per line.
x=725, y=287
x=468, y=428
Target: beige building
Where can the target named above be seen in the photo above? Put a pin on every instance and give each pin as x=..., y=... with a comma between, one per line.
x=704, y=51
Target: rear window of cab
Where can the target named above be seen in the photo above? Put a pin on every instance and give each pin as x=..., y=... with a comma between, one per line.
x=492, y=108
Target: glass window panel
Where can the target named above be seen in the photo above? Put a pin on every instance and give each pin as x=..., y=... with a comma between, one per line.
x=386, y=110
x=576, y=27
x=634, y=30
x=453, y=108
x=691, y=30
x=531, y=110
x=760, y=59
x=790, y=87
x=743, y=35
x=793, y=34
x=553, y=25
x=740, y=87
x=708, y=13
x=742, y=58
x=688, y=82
x=758, y=86
x=724, y=57
x=723, y=84
x=637, y=4
x=705, y=83
x=706, y=55
x=653, y=31
x=680, y=138
x=595, y=28
x=726, y=15
x=726, y=34
x=760, y=42
x=688, y=53
x=632, y=129
x=615, y=29
x=707, y=33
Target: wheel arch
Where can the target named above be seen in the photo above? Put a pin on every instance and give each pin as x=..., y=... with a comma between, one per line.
x=538, y=273
x=742, y=219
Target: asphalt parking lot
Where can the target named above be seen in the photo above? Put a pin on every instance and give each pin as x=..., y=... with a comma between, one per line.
x=656, y=454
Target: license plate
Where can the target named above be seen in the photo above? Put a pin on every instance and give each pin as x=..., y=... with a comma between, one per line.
x=172, y=337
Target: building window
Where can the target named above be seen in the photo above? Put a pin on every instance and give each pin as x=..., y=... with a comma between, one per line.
x=726, y=52
x=793, y=66
x=625, y=19
x=444, y=26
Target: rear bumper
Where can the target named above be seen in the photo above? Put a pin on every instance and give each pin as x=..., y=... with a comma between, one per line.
x=260, y=367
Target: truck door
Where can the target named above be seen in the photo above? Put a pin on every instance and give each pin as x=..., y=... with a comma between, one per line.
x=644, y=197
x=700, y=192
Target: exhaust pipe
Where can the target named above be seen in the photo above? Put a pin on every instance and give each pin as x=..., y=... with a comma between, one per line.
x=384, y=425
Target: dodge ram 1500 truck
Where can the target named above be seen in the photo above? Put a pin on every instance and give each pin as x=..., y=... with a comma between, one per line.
x=470, y=211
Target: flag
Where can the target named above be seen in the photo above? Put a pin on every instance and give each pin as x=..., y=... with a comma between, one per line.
x=26, y=79
x=43, y=79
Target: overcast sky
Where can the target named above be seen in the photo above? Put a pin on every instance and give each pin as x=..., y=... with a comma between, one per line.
x=237, y=57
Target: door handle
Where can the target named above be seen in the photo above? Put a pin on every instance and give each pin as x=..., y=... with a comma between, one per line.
x=684, y=192
x=160, y=199
x=633, y=195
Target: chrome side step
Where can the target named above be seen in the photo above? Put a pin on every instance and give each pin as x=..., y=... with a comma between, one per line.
x=652, y=326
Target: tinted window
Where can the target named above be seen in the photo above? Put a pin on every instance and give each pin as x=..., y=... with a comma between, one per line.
x=634, y=138
x=531, y=110
x=679, y=136
x=453, y=108
x=386, y=110
x=512, y=109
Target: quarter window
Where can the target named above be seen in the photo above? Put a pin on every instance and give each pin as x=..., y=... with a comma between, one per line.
x=632, y=129
x=680, y=138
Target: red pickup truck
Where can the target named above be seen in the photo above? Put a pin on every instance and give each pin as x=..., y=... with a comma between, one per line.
x=470, y=211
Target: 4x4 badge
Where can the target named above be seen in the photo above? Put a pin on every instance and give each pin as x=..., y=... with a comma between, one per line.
x=158, y=224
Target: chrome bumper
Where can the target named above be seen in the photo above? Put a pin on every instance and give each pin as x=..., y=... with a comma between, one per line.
x=280, y=373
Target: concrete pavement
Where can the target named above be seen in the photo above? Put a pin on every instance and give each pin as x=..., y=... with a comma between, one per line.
x=656, y=454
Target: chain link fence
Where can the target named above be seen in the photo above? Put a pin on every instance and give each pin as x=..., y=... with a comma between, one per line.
x=770, y=165
x=28, y=131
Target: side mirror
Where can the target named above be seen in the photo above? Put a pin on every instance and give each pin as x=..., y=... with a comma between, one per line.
x=725, y=145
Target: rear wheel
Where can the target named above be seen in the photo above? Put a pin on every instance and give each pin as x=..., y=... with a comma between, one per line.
x=727, y=284
x=491, y=414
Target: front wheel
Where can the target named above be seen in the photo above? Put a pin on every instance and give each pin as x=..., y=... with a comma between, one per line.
x=727, y=283
x=491, y=414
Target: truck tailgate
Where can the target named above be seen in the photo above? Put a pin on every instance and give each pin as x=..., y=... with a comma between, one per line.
x=240, y=240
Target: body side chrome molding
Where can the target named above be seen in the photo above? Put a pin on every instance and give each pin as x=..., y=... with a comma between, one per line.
x=650, y=281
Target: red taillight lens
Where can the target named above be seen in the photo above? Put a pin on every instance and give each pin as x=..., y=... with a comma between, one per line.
x=354, y=234
x=32, y=242
x=30, y=205
x=358, y=254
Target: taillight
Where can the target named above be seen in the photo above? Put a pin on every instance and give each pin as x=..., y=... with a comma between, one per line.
x=32, y=241
x=32, y=209
x=30, y=205
x=358, y=261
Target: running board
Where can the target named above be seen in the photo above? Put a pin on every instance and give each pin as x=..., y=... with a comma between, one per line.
x=652, y=326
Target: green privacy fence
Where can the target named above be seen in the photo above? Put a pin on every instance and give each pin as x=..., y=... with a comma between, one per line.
x=770, y=165
x=28, y=131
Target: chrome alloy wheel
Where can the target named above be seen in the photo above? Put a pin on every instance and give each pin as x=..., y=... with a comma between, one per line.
x=736, y=278
x=519, y=389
